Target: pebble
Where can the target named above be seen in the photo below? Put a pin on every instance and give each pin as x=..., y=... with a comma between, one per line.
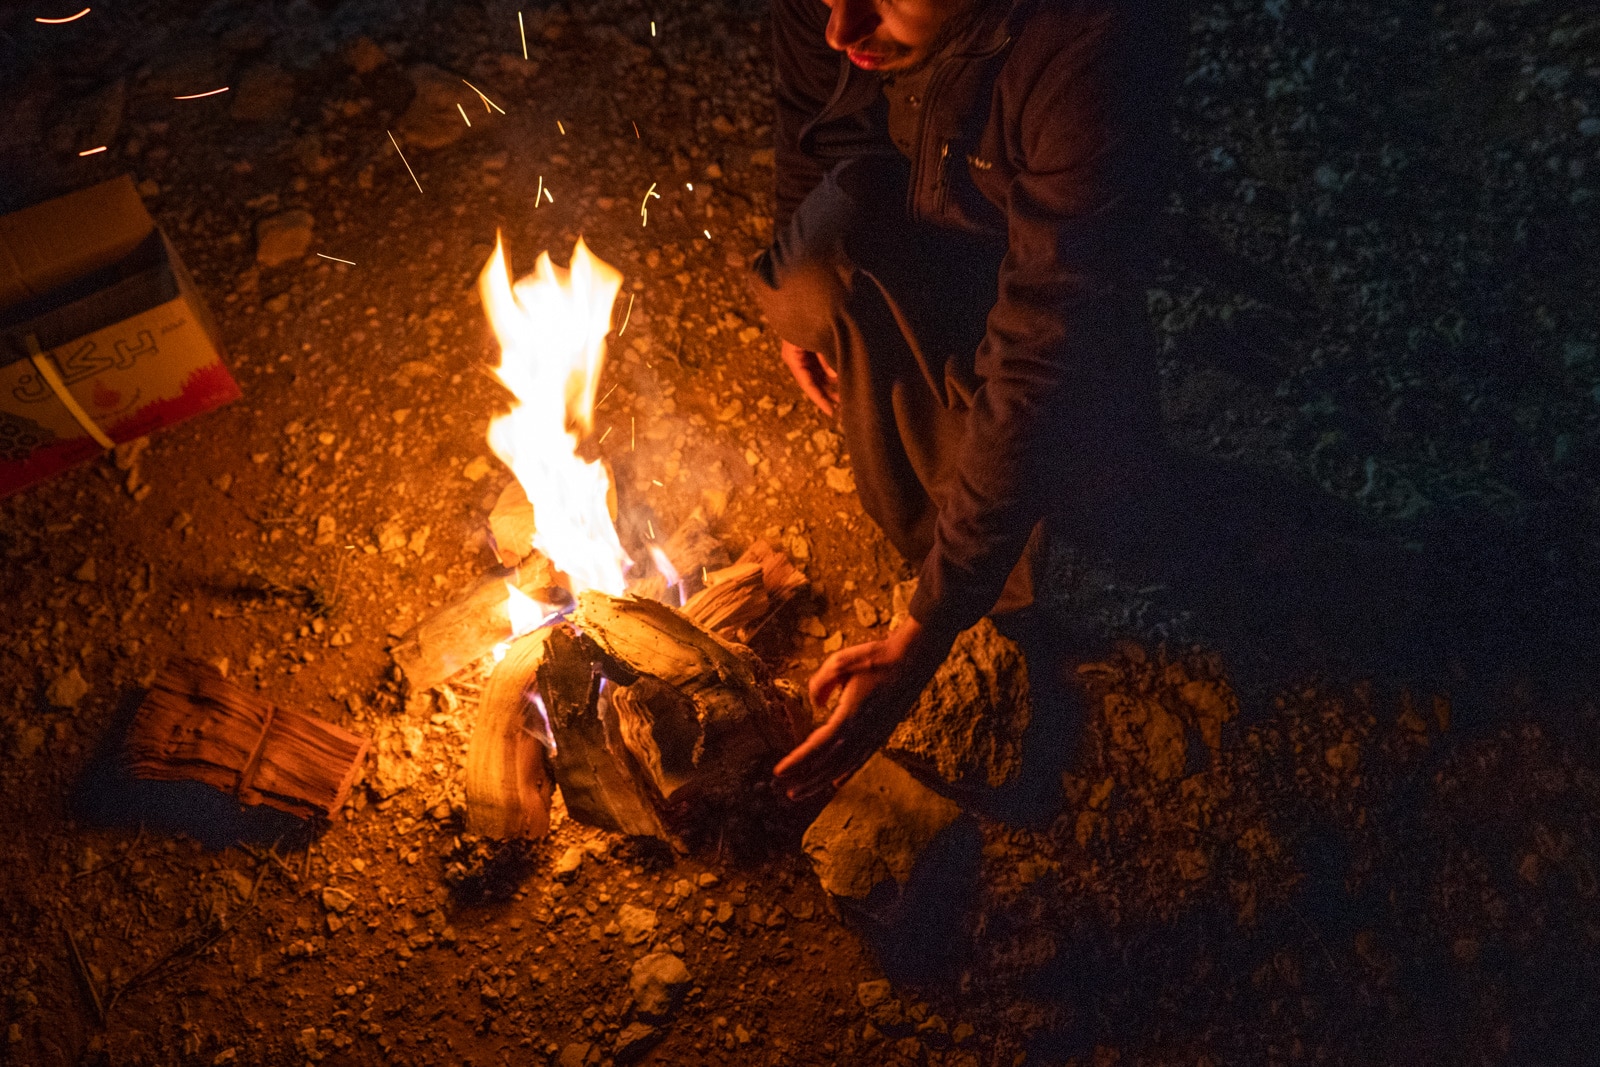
x=67, y=690
x=866, y=614
x=337, y=900
x=870, y=994
x=283, y=238
x=566, y=867
x=658, y=981
x=86, y=572
x=634, y=1040
x=637, y=924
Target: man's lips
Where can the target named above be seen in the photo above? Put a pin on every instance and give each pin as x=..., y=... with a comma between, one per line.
x=866, y=60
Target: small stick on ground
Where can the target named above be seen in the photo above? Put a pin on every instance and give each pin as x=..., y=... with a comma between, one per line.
x=84, y=976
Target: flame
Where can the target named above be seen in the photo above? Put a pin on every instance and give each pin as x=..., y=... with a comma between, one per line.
x=664, y=566
x=526, y=613
x=552, y=326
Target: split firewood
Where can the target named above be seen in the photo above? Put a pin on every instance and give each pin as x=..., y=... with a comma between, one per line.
x=699, y=715
x=519, y=743
x=508, y=779
x=459, y=635
x=693, y=552
x=739, y=599
x=193, y=725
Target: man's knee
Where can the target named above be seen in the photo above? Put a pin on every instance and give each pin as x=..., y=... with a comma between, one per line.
x=802, y=299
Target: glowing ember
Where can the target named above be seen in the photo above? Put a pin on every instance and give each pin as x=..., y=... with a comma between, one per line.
x=552, y=326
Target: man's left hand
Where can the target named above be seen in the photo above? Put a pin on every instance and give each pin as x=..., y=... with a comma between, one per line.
x=877, y=683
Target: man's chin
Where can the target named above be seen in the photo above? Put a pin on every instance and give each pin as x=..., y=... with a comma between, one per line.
x=877, y=61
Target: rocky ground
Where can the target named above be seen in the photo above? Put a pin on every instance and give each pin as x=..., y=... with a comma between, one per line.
x=1335, y=795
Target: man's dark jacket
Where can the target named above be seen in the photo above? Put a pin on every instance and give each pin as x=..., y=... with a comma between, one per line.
x=1044, y=127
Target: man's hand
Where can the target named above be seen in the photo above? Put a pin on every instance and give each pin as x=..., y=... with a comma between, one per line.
x=818, y=381
x=878, y=683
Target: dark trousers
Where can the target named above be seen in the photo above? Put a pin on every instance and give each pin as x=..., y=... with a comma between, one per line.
x=898, y=310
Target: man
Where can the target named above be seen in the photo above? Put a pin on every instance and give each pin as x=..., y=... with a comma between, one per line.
x=963, y=198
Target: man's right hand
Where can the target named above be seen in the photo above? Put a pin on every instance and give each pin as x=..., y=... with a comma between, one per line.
x=818, y=381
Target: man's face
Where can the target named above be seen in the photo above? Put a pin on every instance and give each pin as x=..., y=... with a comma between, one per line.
x=888, y=34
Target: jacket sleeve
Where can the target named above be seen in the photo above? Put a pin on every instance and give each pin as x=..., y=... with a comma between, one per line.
x=1066, y=367
x=839, y=109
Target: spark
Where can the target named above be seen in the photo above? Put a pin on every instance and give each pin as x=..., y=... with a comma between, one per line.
x=464, y=115
x=606, y=397
x=539, y=192
x=652, y=27
x=707, y=233
x=548, y=197
x=635, y=130
x=61, y=22
x=689, y=186
x=336, y=259
x=402, y=156
x=705, y=576
x=92, y=151
x=658, y=483
x=606, y=434
x=523, y=30
x=644, y=206
x=648, y=525
x=199, y=96
x=560, y=127
x=625, y=319
x=486, y=101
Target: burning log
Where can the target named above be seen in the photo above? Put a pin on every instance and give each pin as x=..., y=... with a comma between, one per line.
x=193, y=725
x=739, y=599
x=697, y=713
x=508, y=778
x=459, y=635
x=682, y=722
x=548, y=685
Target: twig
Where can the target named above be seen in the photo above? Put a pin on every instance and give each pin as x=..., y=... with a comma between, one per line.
x=192, y=945
x=83, y=973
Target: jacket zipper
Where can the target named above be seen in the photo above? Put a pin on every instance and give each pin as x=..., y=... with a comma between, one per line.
x=915, y=191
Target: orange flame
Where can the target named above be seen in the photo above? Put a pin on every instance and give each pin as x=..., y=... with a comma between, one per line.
x=552, y=326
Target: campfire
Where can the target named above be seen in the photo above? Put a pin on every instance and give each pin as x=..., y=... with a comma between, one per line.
x=636, y=697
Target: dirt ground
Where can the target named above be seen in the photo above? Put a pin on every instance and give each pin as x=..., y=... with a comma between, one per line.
x=1336, y=788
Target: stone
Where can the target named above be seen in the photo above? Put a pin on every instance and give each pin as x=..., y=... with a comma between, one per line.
x=574, y=1055
x=363, y=55
x=658, y=982
x=875, y=829
x=263, y=94
x=566, y=867
x=637, y=924
x=399, y=748
x=283, y=238
x=337, y=900
x=866, y=613
x=634, y=1041
x=86, y=571
x=434, y=119
x=967, y=726
x=67, y=690
x=327, y=528
x=870, y=994
x=840, y=479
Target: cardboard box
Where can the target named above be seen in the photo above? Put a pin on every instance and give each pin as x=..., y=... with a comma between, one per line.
x=103, y=337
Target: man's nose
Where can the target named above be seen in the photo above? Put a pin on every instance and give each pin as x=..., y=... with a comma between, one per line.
x=850, y=23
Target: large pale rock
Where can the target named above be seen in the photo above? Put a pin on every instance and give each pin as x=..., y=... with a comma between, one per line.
x=967, y=727
x=658, y=981
x=283, y=238
x=875, y=830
